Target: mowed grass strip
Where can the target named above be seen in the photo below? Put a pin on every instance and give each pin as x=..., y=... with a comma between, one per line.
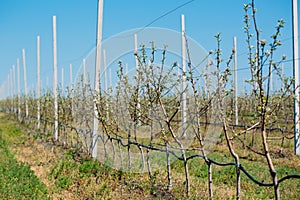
x=17, y=180
x=71, y=174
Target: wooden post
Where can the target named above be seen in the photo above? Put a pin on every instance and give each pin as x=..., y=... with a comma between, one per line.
x=97, y=77
x=55, y=80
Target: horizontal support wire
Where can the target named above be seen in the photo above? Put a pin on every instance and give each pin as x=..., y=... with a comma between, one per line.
x=172, y=152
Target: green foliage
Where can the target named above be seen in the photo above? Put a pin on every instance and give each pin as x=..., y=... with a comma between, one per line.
x=155, y=97
x=61, y=174
x=17, y=180
x=89, y=167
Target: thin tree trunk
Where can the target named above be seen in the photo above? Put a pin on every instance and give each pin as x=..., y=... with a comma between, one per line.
x=210, y=189
x=169, y=186
x=236, y=158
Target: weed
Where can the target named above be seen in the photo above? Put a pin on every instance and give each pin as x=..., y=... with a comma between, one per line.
x=17, y=180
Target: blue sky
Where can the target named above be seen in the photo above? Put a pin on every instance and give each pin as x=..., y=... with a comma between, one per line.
x=21, y=21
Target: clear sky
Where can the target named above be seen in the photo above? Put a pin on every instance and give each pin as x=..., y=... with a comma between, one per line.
x=22, y=20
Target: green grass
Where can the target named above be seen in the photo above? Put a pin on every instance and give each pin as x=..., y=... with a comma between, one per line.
x=86, y=178
x=17, y=180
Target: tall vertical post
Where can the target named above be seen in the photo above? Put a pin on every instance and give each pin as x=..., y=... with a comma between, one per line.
x=84, y=77
x=137, y=69
x=71, y=90
x=236, y=116
x=14, y=88
x=19, y=90
x=282, y=84
x=15, y=83
x=25, y=83
x=11, y=90
x=184, y=83
x=8, y=92
x=55, y=80
x=7, y=87
x=104, y=69
x=136, y=51
x=97, y=77
x=38, y=93
x=296, y=77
